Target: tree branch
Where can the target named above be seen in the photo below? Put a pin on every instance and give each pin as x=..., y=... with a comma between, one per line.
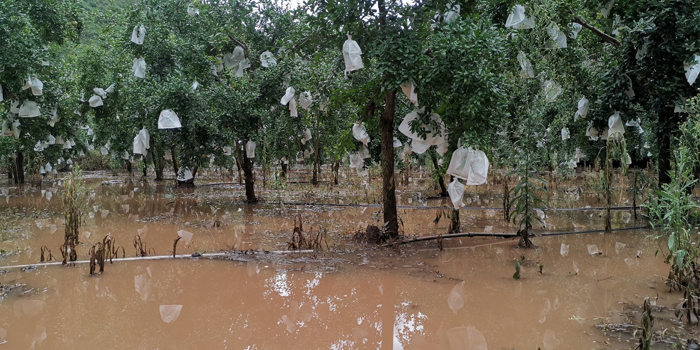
x=605, y=37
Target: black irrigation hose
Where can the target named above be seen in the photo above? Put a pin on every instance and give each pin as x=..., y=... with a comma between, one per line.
x=510, y=235
x=440, y=207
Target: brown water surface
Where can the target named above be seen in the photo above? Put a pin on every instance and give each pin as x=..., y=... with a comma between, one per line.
x=352, y=297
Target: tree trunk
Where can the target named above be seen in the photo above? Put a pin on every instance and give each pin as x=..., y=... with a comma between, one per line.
x=284, y=170
x=336, y=168
x=314, y=178
x=19, y=166
x=128, y=167
x=158, y=163
x=441, y=180
x=249, y=180
x=664, y=146
x=145, y=164
x=174, y=156
x=455, y=223
x=239, y=157
x=386, y=123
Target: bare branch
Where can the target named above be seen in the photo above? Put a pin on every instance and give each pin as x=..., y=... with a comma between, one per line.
x=605, y=37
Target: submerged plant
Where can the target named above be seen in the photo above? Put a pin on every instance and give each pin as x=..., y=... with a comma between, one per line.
x=527, y=201
x=615, y=148
x=75, y=201
x=674, y=211
x=639, y=183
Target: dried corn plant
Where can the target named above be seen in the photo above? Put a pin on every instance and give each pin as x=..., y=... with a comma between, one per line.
x=75, y=201
x=302, y=241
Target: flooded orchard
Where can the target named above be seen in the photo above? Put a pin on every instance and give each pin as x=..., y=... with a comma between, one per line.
x=575, y=291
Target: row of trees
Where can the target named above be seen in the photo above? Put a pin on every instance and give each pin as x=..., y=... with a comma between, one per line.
x=506, y=79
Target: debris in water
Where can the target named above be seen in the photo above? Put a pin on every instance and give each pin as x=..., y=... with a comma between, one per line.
x=593, y=250
x=456, y=298
x=466, y=338
x=564, y=250
x=170, y=313
x=186, y=236
x=550, y=341
x=619, y=246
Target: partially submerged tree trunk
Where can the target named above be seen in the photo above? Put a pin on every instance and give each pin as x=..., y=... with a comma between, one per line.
x=174, y=156
x=314, y=177
x=238, y=158
x=158, y=163
x=386, y=123
x=284, y=170
x=441, y=180
x=249, y=180
x=19, y=168
x=455, y=223
x=663, y=139
x=336, y=168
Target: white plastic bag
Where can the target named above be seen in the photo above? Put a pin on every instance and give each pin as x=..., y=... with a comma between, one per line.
x=14, y=106
x=95, y=101
x=360, y=133
x=100, y=92
x=194, y=86
x=184, y=175
x=615, y=127
x=139, y=67
x=168, y=120
x=527, y=70
x=305, y=100
x=419, y=146
x=306, y=137
x=250, y=149
x=29, y=109
x=431, y=137
x=352, y=54
x=565, y=135
x=456, y=192
x=192, y=11
x=293, y=108
x=288, y=96
x=582, y=108
x=227, y=150
x=237, y=61
x=635, y=123
x=267, y=60
x=630, y=91
x=35, y=84
x=232, y=60
x=605, y=11
x=364, y=152
x=575, y=29
x=578, y=155
x=592, y=132
x=6, y=129
x=558, y=37
x=397, y=143
x=470, y=165
x=356, y=161
x=692, y=70
x=452, y=13
x=138, y=35
x=518, y=20
x=410, y=91
x=15, y=128
x=552, y=90
x=142, y=142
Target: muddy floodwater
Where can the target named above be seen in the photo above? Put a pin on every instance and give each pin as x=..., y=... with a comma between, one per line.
x=350, y=296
